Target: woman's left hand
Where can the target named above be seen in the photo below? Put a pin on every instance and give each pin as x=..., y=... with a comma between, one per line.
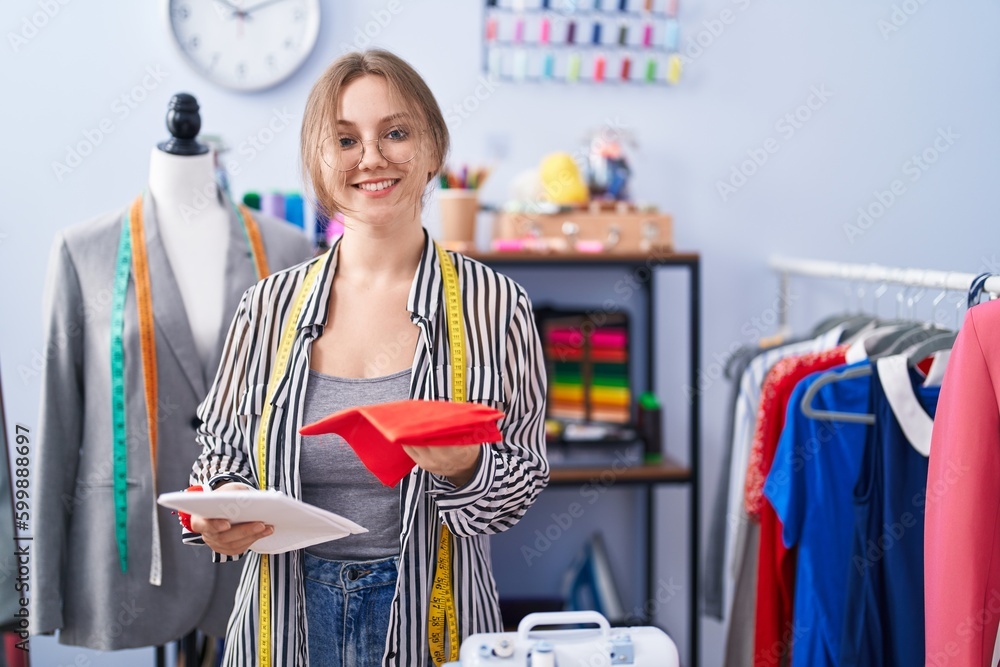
x=458, y=463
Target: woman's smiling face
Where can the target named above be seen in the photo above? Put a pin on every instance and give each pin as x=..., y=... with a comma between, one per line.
x=376, y=189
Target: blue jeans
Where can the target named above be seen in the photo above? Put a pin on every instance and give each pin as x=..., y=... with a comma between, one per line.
x=347, y=610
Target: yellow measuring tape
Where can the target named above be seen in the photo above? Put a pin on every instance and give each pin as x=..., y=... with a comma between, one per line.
x=441, y=615
x=277, y=372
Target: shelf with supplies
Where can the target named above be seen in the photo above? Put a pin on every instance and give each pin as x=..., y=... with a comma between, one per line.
x=570, y=43
x=667, y=471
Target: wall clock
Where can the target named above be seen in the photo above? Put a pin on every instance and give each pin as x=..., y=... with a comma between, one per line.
x=244, y=45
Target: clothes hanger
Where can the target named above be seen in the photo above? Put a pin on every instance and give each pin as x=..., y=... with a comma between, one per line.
x=879, y=350
x=846, y=374
x=853, y=322
x=910, y=330
x=930, y=339
x=870, y=340
x=945, y=340
x=886, y=335
x=830, y=323
x=873, y=341
x=832, y=415
x=855, y=325
x=874, y=344
x=976, y=288
x=938, y=343
x=913, y=337
x=862, y=323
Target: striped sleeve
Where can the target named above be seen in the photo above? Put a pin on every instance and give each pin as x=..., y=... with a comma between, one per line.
x=514, y=471
x=221, y=435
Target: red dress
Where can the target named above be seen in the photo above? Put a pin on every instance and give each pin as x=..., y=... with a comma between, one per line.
x=773, y=633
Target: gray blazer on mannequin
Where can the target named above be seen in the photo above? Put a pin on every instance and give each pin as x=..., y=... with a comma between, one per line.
x=77, y=584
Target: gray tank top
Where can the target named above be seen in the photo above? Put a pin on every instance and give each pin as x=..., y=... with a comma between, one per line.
x=333, y=477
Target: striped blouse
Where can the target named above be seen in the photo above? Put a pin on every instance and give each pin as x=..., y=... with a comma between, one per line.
x=505, y=370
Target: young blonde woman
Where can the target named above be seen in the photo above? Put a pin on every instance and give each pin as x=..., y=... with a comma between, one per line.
x=372, y=329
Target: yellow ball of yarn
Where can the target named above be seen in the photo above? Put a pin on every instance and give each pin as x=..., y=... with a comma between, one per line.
x=561, y=180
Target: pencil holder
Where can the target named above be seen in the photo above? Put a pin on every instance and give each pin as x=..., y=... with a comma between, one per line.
x=458, y=209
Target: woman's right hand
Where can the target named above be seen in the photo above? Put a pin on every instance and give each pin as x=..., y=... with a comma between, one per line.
x=226, y=538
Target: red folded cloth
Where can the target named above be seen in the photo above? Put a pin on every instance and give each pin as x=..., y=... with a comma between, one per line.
x=377, y=433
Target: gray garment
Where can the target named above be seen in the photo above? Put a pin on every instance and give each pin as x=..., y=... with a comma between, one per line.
x=743, y=616
x=713, y=574
x=334, y=478
x=77, y=584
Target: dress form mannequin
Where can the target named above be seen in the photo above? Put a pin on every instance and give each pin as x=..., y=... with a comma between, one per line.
x=193, y=222
x=199, y=260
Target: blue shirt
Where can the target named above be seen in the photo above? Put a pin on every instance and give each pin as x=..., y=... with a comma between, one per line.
x=885, y=594
x=810, y=486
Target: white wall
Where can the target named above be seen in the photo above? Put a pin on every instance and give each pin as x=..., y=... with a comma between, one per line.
x=889, y=97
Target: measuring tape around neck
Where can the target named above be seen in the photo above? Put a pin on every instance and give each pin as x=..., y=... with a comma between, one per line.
x=285, y=344
x=441, y=617
x=132, y=260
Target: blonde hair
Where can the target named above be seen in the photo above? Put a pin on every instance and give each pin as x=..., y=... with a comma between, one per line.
x=319, y=121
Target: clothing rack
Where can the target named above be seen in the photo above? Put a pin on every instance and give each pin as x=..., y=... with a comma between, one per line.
x=951, y=281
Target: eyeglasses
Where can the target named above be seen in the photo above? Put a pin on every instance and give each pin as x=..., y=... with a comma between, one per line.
x=345, y=152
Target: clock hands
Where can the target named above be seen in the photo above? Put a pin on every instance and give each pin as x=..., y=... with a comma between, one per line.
x=259, y=5
x=226, y=3
x=244, y=13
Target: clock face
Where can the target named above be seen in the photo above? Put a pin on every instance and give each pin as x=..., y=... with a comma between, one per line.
x=244, y=44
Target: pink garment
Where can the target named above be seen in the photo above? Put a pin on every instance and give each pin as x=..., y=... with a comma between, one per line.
x=962, y=530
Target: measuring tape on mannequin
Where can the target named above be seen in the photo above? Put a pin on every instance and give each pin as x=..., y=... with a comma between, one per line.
x=132, y=260
x=277, y=373
x=441, y=614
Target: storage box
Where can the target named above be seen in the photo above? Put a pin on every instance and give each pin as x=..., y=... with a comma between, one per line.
x=590, y=231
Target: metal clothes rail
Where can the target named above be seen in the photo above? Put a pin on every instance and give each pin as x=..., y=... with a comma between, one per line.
x=951, y=281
